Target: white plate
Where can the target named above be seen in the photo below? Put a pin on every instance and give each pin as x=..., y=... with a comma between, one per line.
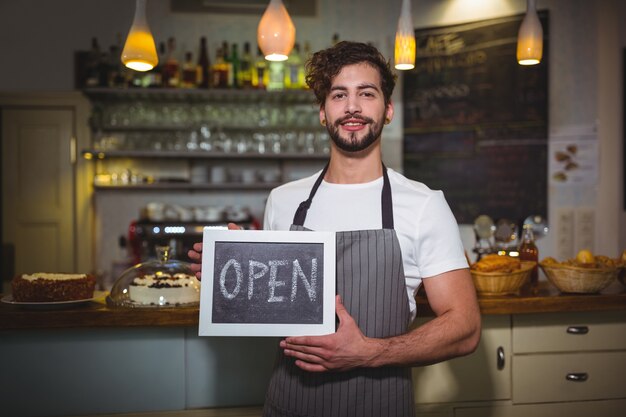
x=8, y=299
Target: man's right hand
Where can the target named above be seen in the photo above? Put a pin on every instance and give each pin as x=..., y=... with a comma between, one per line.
x=195, y=254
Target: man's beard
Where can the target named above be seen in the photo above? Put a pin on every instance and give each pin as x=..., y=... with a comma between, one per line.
x=352, y=143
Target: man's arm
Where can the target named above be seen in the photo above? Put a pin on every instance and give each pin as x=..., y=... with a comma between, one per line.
x=455, y=331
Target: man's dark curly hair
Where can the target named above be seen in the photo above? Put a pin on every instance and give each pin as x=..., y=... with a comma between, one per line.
x=324, y=65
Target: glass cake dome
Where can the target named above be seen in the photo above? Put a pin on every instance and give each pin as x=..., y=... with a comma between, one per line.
x=158, y=283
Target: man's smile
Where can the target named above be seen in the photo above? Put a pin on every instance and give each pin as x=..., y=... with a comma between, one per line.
x=353, y=124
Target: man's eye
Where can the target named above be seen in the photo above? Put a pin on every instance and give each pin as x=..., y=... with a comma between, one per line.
x=338, y=95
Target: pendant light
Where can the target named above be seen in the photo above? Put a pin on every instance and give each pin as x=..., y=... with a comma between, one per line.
x=530, y=37
x=276, y=33
x=405, y=39
x=139, y=51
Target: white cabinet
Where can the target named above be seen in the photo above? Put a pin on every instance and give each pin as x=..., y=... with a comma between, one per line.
x=555, y=364
x=569, y=357
x=569, y=409
x=457, y=380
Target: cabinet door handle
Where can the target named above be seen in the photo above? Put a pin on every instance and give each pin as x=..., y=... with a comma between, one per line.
x=577, y=376
x=500, y=358
x=578, y=330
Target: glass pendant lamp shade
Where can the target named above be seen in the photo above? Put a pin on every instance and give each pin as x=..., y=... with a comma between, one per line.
x=405, y=39
x=276, y=33
x=530, y=37
x=139, y=51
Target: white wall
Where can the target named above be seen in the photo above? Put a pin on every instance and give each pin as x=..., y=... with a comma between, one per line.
x=37, y=39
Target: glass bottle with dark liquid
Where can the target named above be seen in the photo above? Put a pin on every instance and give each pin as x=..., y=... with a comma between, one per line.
x=528, y=252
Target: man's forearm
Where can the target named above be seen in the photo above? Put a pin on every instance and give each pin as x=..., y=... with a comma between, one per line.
x=440, y=339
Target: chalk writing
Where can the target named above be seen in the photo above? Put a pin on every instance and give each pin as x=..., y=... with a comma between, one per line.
x=257, y=270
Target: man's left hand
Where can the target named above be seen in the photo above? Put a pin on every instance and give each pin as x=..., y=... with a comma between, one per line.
x=346, y=349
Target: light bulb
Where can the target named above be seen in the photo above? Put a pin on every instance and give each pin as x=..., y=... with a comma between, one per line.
x=276, y=33
x=530, y=37
x=405, y=39
x=139, y=51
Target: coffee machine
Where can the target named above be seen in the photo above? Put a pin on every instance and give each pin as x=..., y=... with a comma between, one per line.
x=180, y=231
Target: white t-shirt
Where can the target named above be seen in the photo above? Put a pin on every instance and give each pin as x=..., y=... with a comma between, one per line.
x=426, y=228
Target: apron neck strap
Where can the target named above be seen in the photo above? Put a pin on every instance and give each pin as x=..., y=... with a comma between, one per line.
x=386, y=201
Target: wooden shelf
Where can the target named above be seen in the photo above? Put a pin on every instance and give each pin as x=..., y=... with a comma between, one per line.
x=96, y=154
x=187, y=186
x=201, y=95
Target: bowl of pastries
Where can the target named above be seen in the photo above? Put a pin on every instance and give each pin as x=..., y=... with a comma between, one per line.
x=585, y=274
x=500, y=274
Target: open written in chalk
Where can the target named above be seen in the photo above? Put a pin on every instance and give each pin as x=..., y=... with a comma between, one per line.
x=267, y=283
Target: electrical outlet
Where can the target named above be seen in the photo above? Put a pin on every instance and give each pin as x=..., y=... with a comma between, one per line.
x=565, y=233
x=585, y=228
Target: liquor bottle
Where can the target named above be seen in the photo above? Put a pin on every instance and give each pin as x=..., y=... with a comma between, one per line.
x=114, y=76
x=235, y=65
x=229, y=65
x=260, y=73
x=171, y=69
x=277, y=75
x=205, y=65
x=294, y=71
x=219, y=70
x=94, y=57
x=190, y=72
x=156, y=74
x=245, y=69
x=528, y=251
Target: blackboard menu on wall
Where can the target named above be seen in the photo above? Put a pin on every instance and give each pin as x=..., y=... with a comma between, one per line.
x=476, y=122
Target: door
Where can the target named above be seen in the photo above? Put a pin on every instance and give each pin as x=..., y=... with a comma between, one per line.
x=37, y=188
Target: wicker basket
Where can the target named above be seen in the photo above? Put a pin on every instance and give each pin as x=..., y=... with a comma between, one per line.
x=621, y=275
x=569, y=278
x=500, y=283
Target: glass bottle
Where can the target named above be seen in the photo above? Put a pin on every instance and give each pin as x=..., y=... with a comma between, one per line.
x=171, y=69
x=157, y=77
x=235, y=64
x=294, y=71
x=191, y=72
x=229, y=65
x=245, y=69
x=260, y=74
x=205, y=65
x=93, y=62
x=219, y=70
x=528, y=252
x=277, y=75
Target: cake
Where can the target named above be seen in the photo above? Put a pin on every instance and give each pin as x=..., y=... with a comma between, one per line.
x=164, y=289
x=52, y=287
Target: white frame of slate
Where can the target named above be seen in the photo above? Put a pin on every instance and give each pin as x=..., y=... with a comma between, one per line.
x=212, y=235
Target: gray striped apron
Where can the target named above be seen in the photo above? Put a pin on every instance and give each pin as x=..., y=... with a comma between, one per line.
x=370, y=280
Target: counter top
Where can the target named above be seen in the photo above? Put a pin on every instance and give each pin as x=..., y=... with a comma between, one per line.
x=97, y=314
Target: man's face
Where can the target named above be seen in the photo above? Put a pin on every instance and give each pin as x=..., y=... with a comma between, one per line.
x=354, y=110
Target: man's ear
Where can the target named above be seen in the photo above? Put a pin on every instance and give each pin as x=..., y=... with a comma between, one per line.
x=322, y=116
x=389, y=111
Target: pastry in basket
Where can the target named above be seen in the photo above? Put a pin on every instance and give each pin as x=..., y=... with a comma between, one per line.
x=586, y=273
x=499, y=274
x=497, y=263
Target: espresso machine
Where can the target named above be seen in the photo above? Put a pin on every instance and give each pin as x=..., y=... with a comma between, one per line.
x=180, y=228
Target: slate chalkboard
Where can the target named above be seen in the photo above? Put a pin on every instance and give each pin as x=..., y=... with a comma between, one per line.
x=476, y=122
x=261, y=283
